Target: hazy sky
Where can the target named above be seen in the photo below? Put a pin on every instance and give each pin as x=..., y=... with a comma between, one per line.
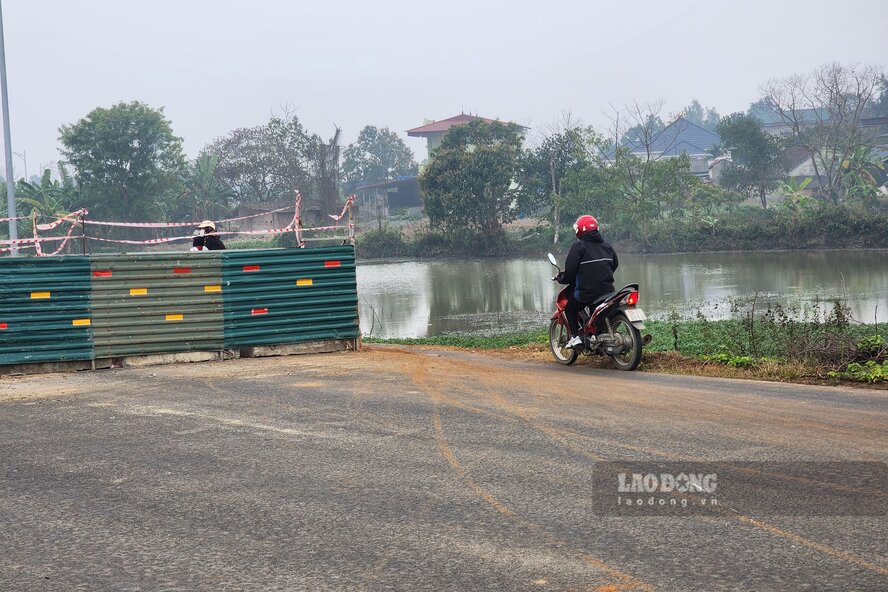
x=216, y=65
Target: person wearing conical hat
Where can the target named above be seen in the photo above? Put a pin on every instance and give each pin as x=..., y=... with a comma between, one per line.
x=206, y=239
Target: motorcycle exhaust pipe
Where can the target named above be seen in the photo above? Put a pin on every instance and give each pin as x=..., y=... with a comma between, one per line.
x=646, y=340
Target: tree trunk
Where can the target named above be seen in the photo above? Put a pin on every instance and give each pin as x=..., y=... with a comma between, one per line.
x=763, y=197
x=557, y=199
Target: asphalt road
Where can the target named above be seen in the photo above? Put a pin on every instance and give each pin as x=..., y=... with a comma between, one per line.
x=395, y=469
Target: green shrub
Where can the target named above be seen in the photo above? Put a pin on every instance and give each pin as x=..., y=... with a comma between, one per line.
x=385, y=242
x=729, y=360
x=867, y=372
x=432, y=243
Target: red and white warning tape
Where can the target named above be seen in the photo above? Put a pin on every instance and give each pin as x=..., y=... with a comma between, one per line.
x=72, y=217
x=169, y=239
x=61, y=246
x=79, y=216
x=348, y=203
x=31, y=241
x=176, y=224
x=18, y=248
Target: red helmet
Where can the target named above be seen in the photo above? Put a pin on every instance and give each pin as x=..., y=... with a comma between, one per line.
x=584, y=224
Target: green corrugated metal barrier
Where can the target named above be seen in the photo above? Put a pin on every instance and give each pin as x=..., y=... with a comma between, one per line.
x=45, y=310
x=156, y=303
x=289, y=295
x=108, y=306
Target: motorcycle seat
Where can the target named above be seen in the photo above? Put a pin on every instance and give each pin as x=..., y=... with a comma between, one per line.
x=601, y=299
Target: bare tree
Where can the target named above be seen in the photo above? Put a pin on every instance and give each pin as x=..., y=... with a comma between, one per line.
x=824, y=111
x=641, y=159
x=639, y=128
x=267, y=162
x=561, y=149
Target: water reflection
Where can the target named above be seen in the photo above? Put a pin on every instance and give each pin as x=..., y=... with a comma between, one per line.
x=415, y=299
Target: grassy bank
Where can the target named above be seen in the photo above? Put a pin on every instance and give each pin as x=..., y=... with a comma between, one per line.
x=831, y=350
x=747, y=229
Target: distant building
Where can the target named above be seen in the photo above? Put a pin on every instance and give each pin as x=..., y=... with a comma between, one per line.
x=680, y=137
x=387, y=198
x=434, y=131
x=262, y=215
x=799, y=161
x=776, y=124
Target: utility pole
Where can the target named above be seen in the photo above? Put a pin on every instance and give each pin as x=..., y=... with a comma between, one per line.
x=7, y=140
x=24, y=158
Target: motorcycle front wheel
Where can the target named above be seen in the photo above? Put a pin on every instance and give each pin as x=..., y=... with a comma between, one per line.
x=630, y=337
x=558, y=336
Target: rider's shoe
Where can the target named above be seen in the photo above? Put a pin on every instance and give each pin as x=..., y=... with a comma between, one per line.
x=574, y=342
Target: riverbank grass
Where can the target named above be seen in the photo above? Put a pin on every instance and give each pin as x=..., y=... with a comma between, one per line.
x=827, y=352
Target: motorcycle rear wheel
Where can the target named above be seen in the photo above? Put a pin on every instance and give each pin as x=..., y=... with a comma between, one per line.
x=631, y=358
x=558, y=336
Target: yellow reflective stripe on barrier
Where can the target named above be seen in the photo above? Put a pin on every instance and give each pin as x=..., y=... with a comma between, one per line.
x=304, y=282
x=81, y=322
x=40, y=295
x=175, y=317
x=212, y=288
x=138, y=291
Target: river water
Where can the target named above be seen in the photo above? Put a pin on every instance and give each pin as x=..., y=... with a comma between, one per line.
x=424, y=298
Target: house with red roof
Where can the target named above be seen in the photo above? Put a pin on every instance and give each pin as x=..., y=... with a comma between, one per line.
x=434, y=131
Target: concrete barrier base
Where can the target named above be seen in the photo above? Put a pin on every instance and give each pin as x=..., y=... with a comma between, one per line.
x=47, y=367
x=289, y=349
x=257, y=351
x=177, y=358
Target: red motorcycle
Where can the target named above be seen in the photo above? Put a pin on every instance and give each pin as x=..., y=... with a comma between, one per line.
x=611, y=326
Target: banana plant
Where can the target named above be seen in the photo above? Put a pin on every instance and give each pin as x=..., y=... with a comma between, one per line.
x=860, y=172
x=48, y=199
x=796, y=199
x=203, y=193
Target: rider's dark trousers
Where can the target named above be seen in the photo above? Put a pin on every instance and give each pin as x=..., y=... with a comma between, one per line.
x=572, y=312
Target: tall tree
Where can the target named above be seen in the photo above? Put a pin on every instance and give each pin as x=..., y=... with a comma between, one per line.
x=469, y=182
x=126, y=159
x=647, y=180
x=824, y=111
x=763, y=110
x=545, y=167
x=378, y=155
x=705, y=117
x=268, y=162
x=879, y=106
x=756, y=156
x=326, y=171
x=641, y=131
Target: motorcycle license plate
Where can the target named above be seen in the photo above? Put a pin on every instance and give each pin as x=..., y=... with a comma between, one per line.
x=635, y=315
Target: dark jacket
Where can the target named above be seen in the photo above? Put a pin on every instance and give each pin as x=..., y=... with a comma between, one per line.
x=213, y=243
x=589, y=268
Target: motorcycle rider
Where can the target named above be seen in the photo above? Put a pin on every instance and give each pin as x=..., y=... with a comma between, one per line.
x=588, y=270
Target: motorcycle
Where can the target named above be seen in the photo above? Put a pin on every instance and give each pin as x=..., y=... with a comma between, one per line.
x=611, y=326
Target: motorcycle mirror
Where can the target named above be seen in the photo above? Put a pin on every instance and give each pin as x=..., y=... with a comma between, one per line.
x=552, y=260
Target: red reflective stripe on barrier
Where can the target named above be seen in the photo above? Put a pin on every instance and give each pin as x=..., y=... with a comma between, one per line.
x=102, y=273
x=259, y=311
x=331, y=263
x=251, y=268
x=2, y=325
x=181, y=270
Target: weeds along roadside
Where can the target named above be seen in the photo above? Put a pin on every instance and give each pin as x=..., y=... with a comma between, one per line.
x=818, y=341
